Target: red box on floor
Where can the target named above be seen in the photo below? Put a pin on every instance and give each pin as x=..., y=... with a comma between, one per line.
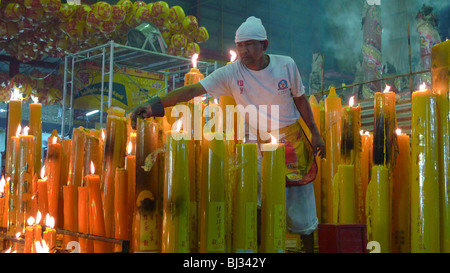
x=342, y=238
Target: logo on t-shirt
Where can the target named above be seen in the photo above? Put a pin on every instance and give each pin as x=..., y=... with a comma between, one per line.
x=240, y=83
x=282, y=86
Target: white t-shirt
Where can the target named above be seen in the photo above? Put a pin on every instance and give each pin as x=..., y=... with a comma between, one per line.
x=275, y=85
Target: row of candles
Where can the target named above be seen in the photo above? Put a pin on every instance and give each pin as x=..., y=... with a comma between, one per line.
x=395, y=184
x=150, y=196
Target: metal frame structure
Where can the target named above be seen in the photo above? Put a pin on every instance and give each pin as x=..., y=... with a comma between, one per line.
x=112, y=54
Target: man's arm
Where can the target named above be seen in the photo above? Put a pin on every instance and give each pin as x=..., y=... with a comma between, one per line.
x=155, y=107
x=305, y=111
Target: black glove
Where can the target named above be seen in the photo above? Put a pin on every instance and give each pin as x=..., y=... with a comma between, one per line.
x=150, y=108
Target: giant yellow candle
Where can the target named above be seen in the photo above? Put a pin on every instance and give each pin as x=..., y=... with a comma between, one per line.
x=194, y=75
x=29, y=236
x=53, y=165
x=14, y=119
x=385, y=124
x=366, y=145
x=401, y=197
x=175, y=231
x=273, y=198
x=378, y=209
x=26, y=170
x=246, y=195
x=114, y=157
x=35, y=123
x=42, y=193
x=212, y=200
x=347, y=195
x=440, y=76
x=425, y=221
x=121, y=207
x=147, y=205
x=333, y=144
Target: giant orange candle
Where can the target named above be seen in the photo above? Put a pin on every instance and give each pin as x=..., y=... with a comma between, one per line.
x=76, y=164
x=42, y=193
x=121, y=206
x=194, y=75
x=35, y=123
x=14, y=119
x=333, y=144
x=425, y=221
x=273, y=198
x=96, y=218
x=175, y=232
x=37, y=229
x=83, y=218
x=53, y=165
x=401, y=197
x=66, y=151
x=26, y=170
x=366, y=145
x=3, y=199
x=14, y=184
x=93, y=152
x=440, y=76
x=69, y=212
x=114, y=157
x=130, y=165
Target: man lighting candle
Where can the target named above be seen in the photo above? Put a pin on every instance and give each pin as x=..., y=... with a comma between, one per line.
x=260, y=79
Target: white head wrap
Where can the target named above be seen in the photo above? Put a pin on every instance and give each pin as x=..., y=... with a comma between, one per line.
x=251, y=29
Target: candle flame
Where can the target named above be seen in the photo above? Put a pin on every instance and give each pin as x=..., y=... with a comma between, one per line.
x=129, y=147
x=92, y=168
x=398, y=131
x=216, y=101
x=194, y=60
x=367, y=133
x=41, y=247
x=38, y=217
x=25, y=130
x=18, y=235
x=273, y=140
x=2, y=184
x=15, y=94
x=103, y=135
x=233, y=56
x=54, y=140
x=8, y=250
x=351, y=101
x=35, y=99
x=204, y=98
x=43, y=172
x=386, y=89
x=423, y=86
x=30, y=221
x=178, y=124
x=49, y=221
x=361, y=132
x=19, y=128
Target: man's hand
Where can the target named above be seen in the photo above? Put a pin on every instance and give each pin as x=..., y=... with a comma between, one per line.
x=152, y=108
x=318, y=145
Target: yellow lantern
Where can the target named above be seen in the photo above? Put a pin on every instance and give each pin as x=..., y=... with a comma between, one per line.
x=190, y=23
x=179, y=40
x=102, y=11
x=65, y=12
x=192, y=48
x=202, y=35
x=160, y=9
x=176, y=14
x=118, y=13
x=51, y=6
x=14, y=11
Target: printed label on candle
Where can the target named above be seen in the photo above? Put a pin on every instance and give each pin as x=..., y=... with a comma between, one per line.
x=278, y=223
x=216, y=227
x=250, y=222
x=148, y=232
